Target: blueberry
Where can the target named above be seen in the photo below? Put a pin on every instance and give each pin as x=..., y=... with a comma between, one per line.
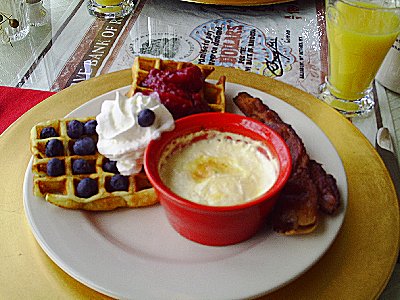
x=84, y=146
x=86, y=188
x=90, y=127
x=55, y=167
x=75, y=129
x=119, y=183
x=146, y=117
x=110, y=166
x=48, y=132
x=82, y=166
x=54, y=147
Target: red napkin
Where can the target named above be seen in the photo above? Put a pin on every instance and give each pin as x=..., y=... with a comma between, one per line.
x=14, y=102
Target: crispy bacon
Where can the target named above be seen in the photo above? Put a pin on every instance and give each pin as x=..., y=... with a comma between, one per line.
x=309, y=187
x=329, y=196
x=296, y=210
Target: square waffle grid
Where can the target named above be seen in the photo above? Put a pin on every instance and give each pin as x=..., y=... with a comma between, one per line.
x=61, y=190
x=214, y=94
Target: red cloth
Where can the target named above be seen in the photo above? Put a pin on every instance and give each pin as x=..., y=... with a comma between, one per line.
x=14, y=102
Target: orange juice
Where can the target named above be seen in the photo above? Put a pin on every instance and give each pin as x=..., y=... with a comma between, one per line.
x=110, y=9
x=113, y=5
x=359, y=36
x=108, y=2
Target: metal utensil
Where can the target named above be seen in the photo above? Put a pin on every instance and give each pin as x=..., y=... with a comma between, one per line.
x=384, y=146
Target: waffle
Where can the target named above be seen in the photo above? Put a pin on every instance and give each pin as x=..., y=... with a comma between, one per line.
x=61, y=190
x=214, y=94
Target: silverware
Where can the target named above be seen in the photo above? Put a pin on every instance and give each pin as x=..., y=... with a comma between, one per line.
x=384, y=146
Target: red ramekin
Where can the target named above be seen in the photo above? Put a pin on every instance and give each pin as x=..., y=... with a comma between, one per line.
x=218, y=225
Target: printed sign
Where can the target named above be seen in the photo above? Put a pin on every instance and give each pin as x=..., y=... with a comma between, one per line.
x=231, y=43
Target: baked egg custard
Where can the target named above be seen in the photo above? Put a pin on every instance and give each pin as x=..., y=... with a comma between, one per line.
x=220, y=169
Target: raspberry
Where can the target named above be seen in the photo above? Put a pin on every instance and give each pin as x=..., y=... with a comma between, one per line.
x=191, y=78
x=119, y=183
x=86, y=188
x=48, y=132
x=90, y=127
x=146, y=117
x=82, y=166
x=110, y=166
x=54, y=147
x=177, y=106
x=75, y=129
x=180, y=90
x=55, y=167
x=84, y=146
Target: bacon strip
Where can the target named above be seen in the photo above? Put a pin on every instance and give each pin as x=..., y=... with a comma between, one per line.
x=309, y=187
x=329, y=196
x=296, y=211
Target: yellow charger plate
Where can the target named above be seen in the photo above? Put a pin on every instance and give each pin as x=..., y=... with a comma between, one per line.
x=357, y=265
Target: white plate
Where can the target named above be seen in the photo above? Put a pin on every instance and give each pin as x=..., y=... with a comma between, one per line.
x=135, y=253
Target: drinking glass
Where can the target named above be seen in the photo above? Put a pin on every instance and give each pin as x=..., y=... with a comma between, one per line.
x=14, y=23
x=360, y=33
x=37, y=14
x=110, y=9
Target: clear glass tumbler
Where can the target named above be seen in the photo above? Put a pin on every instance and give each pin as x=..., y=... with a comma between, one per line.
x=14, y=21
x=110, y=9
x=360, y=34
x=37, y=14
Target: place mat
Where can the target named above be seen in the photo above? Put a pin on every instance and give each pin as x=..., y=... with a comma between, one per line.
x=239, y=2
x=16, y=101
x=357, y=266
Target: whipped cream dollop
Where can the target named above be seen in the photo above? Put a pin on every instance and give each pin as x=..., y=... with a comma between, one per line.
x=121, y=138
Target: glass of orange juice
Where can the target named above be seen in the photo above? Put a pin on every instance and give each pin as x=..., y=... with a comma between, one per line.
x=360, y=34
x=110, y=9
